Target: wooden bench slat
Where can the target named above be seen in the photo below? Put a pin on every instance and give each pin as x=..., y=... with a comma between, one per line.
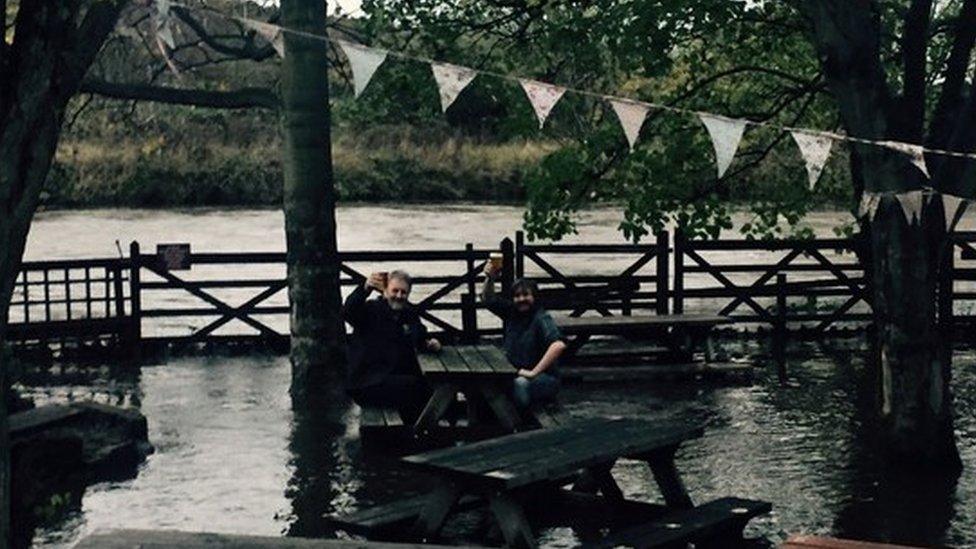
x=371, y=416
x=475, y=361
x=693, y=525
x=496, y=358
x=453, y=362
x=430, y=362
x=393, y=418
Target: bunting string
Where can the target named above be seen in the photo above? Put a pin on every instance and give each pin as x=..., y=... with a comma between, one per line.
x=726, y=133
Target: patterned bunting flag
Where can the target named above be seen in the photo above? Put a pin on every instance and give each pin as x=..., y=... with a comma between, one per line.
x=915, y=153
x=162, y=22
x=631, y=116
x=911, y=205
x=951, y=205
x=364, y=62
x=869, y=205
x=543, y=97
x=451, y=81
x=726, y=134
x=815, y=150
x=271, y=33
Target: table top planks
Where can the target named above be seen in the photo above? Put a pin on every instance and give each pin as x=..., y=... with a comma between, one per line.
x=524, y=458
x=466, y=362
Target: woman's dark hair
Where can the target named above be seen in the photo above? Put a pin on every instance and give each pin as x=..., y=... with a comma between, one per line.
x=524, y=285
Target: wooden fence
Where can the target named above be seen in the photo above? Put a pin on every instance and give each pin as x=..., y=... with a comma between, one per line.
x=139, y=300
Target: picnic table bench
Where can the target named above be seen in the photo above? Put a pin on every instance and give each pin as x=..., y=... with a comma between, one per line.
x=507, y=471
x=682, y=333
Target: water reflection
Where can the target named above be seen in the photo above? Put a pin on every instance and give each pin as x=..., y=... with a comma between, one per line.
x=232, y=456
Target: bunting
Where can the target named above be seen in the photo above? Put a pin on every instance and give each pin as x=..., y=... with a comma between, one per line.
x=911, y=205
x=271, y=33
x=815, y=150
x=162, y=23
x=543, y=97
x=951, y=205
x=364, y=62
x=915, y=153
x=726, y=134
x=631, y=116
x=869, y=205
x=451, y=81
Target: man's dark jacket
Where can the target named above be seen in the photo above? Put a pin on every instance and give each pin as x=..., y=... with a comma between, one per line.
x=384, y=342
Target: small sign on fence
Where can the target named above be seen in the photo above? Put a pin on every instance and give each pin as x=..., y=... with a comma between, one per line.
x=173, y=257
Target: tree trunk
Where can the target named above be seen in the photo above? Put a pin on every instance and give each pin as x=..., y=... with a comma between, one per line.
x=317, y=332
x=904, y=260
x=914, y=355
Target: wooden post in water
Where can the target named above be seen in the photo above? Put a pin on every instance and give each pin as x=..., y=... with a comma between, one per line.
x=469, y=314
x=135, y=303
x=663, y=278
x=779, y=334
x=678, y=305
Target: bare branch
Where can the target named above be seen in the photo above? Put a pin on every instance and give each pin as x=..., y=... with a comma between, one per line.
x=915, y=38
x=239, y=99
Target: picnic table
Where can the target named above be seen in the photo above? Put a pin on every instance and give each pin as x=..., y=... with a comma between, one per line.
x=683, y=333
x=481, y=373
x=505, y=471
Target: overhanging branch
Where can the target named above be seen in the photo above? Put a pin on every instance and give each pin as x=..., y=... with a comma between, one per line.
x=243, y=98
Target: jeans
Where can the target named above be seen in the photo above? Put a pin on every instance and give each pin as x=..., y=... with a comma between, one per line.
x=541, y=388
x=408, y=394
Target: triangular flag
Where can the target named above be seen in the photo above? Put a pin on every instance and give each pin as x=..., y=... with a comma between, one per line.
x=271, y=33
x=543, y=97
x=911, y=204
x=916, y=154
x=815, y=150
x=364, y=62
x=631, y=116
x=869, y=205
x=951, y=205
x=163, y=23
x=451, y=81
x=726, y=134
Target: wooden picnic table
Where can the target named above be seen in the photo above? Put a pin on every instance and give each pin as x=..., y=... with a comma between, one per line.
x=481, y=372
x=683, y=332
x=506, y=470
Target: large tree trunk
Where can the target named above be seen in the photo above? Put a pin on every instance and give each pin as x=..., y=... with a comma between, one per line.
x=317, y=333
x=913, y=356
x=54, y=44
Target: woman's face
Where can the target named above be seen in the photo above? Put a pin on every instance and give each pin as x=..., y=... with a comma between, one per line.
x=523, y=299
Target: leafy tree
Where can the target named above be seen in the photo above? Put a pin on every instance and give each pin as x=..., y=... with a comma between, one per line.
x=894, y=70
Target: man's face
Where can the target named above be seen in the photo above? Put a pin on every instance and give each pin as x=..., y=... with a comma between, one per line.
x=523, y=300
x=396, y=293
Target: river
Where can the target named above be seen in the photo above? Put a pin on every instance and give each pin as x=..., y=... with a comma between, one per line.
x=232, y=457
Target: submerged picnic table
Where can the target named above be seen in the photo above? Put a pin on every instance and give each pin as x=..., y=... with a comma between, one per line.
x=683, y=333
x=506, y=471
x=481, y=372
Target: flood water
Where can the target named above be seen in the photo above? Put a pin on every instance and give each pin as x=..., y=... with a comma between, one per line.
x=232, y=457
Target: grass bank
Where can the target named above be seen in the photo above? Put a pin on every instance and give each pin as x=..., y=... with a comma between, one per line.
x=151, y=172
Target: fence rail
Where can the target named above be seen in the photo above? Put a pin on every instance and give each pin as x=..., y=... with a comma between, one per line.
x=124, y=302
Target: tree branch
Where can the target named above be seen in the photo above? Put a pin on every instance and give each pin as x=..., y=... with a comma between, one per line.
x=239, y=99
x=249, y=50
x=955, y=76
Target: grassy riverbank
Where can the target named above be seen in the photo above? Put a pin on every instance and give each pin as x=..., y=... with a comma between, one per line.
x=151, y=172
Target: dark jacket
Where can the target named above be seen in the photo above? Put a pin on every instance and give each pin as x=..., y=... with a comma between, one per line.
x=527, y=335
x=384, y=342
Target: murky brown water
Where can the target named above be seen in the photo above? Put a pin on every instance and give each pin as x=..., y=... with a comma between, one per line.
x=232, y=457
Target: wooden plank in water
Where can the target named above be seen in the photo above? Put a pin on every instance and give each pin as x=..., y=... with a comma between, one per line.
x=171, y=539
x=818, y=542
x=397, y=514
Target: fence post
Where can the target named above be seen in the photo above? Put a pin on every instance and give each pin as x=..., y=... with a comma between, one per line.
x=678, y=304
x=508, y=268
x=519, y=254
x=469, y=315
x=663, y=276
x=946, y=290
x=780, y=333
x=135, y=296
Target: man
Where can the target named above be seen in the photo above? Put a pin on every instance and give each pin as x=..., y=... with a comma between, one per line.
x=387, y=333
x=533, y=342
